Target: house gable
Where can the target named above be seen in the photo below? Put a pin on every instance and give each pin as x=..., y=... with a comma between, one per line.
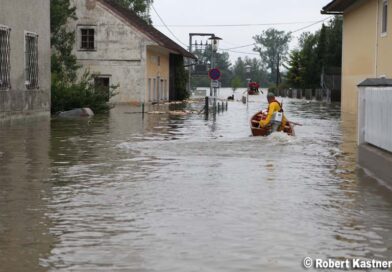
x=115, y=39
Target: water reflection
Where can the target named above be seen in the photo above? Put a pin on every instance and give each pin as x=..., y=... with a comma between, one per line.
x=24, y=194
x=178, y=193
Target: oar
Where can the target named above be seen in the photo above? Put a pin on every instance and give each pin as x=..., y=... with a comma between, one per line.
x=297, y=124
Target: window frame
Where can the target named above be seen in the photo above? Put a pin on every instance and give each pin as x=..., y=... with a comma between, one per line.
x=7, y=85
x=35, y=73
x=79, y=39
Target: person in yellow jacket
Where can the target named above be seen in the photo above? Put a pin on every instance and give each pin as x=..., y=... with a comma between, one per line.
x=275, y=117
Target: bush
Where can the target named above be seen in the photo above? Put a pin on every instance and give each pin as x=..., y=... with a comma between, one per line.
x=80, y=94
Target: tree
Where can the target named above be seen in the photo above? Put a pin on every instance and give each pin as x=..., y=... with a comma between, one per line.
x=318, y=53
x=222, y=62
x=295, y=70
x=141, y=7
x=236, y=83
x=273, y=46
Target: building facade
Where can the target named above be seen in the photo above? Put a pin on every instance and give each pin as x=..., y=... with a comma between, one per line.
x=121, y=49
x=367, y=43
x=366, y=89
x=24, y=58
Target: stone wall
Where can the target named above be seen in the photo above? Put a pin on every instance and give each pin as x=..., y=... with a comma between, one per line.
x=26, y=16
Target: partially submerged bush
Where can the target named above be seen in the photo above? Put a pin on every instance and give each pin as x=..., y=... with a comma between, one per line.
x=81, y=94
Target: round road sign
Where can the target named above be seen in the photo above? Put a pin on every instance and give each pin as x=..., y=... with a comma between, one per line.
x=214, y=74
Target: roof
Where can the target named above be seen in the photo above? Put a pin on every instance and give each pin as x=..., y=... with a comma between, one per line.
x=337, y=6
x=376, y=82
x=157, y=36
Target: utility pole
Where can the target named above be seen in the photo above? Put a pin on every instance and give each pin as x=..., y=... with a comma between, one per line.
x=277, y=72
x=191, y=35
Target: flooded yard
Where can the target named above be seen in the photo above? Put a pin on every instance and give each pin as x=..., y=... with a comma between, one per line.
x=180, y=193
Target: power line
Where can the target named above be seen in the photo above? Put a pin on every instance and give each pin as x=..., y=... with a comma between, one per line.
x=305, y=27
x=241, y=25
x=240, y=52
x=297, y=30
x=168, y=29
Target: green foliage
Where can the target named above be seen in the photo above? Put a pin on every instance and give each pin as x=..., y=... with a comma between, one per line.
x=295, y=74
x=222, y=62
x=235, y=83
x=257, y=73
x=63, y=62
x=317, y=52
x=181, y=79
x=141, y=7
x=81, y=94
x=273, y=46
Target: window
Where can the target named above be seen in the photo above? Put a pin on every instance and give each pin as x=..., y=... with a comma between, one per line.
x=87, y=38
x=384, y=23
x=4, y=57
x=31, y=60
x=149, y=90
x=154, y=90
x=102, y=84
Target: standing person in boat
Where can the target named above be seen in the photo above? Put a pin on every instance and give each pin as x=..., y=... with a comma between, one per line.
x=275, y=116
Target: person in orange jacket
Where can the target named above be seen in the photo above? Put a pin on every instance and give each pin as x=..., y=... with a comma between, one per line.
x=275, y=116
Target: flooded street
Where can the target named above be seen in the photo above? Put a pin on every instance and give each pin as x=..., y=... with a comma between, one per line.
x=179, y=193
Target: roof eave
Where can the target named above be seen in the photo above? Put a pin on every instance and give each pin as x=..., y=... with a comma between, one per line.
x=337, y=7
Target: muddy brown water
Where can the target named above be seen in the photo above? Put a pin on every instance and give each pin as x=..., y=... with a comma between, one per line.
x=179, y=193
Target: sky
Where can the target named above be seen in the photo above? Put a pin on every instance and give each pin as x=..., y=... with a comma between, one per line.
x=191, y=16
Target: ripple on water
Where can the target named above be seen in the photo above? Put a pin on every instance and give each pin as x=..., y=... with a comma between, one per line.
x=185, y=194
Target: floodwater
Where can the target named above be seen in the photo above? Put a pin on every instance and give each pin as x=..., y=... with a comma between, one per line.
x=180, y=193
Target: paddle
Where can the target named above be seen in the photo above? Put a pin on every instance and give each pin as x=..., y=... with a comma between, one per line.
x=297, y=124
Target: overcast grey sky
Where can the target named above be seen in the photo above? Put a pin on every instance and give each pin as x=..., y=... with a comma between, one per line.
x=299, y=13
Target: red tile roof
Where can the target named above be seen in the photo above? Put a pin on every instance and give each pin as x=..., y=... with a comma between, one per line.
x=147, y=29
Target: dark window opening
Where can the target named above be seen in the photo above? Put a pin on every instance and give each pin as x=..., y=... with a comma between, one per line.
x=384, y=17
x=102, y=85
x=31, y=60
x=87, y=38
x=4, y=58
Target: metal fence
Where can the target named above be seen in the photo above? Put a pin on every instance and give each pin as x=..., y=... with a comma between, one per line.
x=375, y=113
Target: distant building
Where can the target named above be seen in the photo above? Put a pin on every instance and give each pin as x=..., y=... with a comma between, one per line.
x=120, y=48
x=367, y=43
x=24, y=58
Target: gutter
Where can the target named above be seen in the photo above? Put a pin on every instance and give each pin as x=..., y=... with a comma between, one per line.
x=331, y=12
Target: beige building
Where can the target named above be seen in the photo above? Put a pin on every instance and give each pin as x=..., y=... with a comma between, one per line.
x=367, y=44
x=24, y=58
x=121, y=49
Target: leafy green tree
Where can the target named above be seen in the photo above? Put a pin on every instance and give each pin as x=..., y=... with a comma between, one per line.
x=295, y=70
x=222, y=62
x=141, y=7
x=239, y=71
x=236, y=83
x=273, y=46
x=318, y=52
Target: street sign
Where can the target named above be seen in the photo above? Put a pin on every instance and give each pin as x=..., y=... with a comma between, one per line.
x=214, y=74
x=215, y=84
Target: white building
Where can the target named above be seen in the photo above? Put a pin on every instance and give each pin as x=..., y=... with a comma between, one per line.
x=120, y=48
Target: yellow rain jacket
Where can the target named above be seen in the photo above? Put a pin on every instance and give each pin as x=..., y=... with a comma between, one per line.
x=273, y=107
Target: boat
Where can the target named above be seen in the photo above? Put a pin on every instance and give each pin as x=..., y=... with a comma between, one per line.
x=253, y=88
x=265, y=131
